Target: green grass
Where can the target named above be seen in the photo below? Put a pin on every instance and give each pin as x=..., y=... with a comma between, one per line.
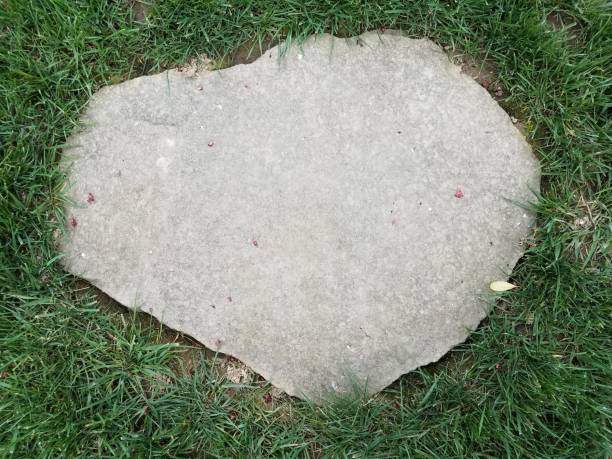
x=533, y=381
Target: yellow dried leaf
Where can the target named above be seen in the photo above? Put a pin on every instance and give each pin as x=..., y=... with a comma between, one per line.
x=501, y=286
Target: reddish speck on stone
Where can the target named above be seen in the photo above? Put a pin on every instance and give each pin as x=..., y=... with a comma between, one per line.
x=255, y=243
x=229, y=298
x=486, y=84
x=459, y=194
x=90, y=198
x=394, y=221
x=218, y=343
x=200, y=88
x=73, y=222
x=211, y=143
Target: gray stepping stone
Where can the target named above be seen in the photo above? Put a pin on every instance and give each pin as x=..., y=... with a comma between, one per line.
x=332, y=218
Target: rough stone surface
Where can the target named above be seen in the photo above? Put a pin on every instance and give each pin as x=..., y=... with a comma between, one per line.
x=330, y=218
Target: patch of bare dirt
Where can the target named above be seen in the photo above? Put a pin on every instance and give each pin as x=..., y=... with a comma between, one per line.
x=196, y=66
x=484, y=73
x=249, y=51
x=140, y=9
x=235, y=371
x=559, y=21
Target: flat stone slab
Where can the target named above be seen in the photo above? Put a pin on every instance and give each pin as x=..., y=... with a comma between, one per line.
x=332, y=218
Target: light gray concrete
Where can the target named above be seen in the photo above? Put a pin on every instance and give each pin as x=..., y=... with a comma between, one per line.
x=333, y=218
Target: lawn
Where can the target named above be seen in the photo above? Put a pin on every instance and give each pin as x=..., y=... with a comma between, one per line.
x=77, y=379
